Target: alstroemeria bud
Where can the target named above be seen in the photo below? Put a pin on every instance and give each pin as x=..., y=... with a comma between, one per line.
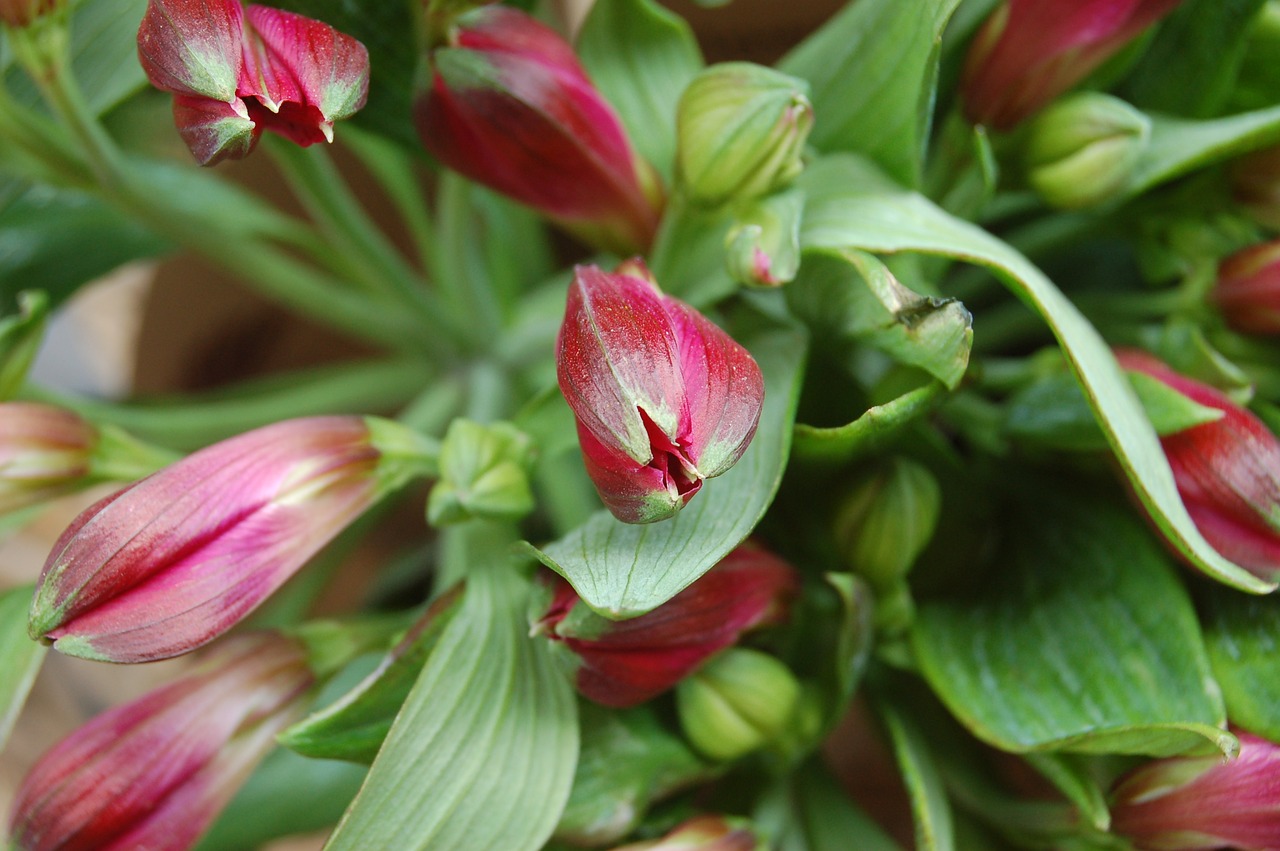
x=1255, y=179
x=1030, y=51
x=738, y=702
x=888, y=520
x=484, y=472
x=623, y=663
x=44, y=453
x=238, y=70
x=1082, y=150
x=763, y=248
x=663, y=398
x=21, y=13
x=1202, y=803
x=174, y=560
x=511, y=107
x=155, y=772
x=741, y=129
x=1248, y=289
x=704, y=833
x=1227, y=472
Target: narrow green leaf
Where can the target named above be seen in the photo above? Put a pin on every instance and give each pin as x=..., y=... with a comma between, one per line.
x=1243, y=635
x=1088, y=643
x=855, y=636
x=873, y=69
x=852, y=205
x=623, y=570
x=1071, y=776
x=20, y=337
x=1178, y=145
x=930, y=809
x=482, y=755
x=21, y=655
x=641, y=56
x=839, y=444
x=817, y=815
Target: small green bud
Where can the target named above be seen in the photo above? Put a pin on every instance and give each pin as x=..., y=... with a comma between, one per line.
x=741, y=129
x=484, y=473
x=1082, y=150
x=888, y=520
x=738, y=702
x=763, y=248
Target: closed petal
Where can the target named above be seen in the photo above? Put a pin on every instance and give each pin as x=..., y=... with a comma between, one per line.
x=213, y=130
x=192, y=47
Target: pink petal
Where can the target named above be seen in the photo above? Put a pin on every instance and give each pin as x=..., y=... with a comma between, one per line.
x=213, y=130
x=192, y=47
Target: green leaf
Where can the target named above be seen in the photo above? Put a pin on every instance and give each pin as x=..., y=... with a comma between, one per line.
x=817, y=815
x=839, y=444
x=689, y=254
x=20, y=337
x=1087, y=641
x=1243, y=636
x=21, y=655
x=641, y=56
x=482, y=755
x=851, y=296
x=1071, y=776
x=1178, y=145
x=930, y=809
x=623, y=570
x=852, y=205
x=873, y=69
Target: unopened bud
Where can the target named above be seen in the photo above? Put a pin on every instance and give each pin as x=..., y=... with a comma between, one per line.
x=1248, y=289
x=740, y=701
x=1255, y=183
x=484, y=473
x=1082, y=150
x=705, y=833
x=763, y=249
x=888, y=520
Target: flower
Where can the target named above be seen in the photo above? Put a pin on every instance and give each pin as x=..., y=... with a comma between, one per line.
x=1248, y=289
x=623, y=663
x=662, y=397
x=1203, y=802
x=509, y=106
x=155, y=772
x=704, y=833
x=172, y=561
x=1227, y=472
x=45, y=452
x=1030, y=51
x=238, y=70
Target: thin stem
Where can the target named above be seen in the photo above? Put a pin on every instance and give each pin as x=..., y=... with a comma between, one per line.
x=451, y=271
x=394, y=170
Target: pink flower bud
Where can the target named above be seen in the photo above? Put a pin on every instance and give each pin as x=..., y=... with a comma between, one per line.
x=704, y=833
x=237, y=71
x=510, y=107
x=174, y=560
x=663, y=398
x=1248, y=289
x=44, y=453
x=1030, y=51
x=1202, y=803
x=155, y=772
x=623, y=663
x=1227, y=472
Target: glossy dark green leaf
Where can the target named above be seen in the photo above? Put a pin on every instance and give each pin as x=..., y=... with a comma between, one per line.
x=1084, y=641
x=1243, y=635
x=838, y=444
x=21, y=655
x=852, y=204
x=482, y=755
x=873, y=70
x=20, y=336
x=930, y=809
x=624, y=570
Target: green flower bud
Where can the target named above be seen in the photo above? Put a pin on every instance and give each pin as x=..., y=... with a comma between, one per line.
x=484, y=473
x=738, y=702
x=888, y=521
x=763, y=249
x=740, y=129
x=1083, y=149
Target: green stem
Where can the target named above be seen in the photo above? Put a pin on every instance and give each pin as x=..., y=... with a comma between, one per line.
x=43, y=146
x=394, y=170
x=121, y=457
x=473, y=298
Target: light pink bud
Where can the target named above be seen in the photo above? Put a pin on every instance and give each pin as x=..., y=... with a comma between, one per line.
x=174, y=560
x=1202, y=803
x=663, y=398
x=1030, y=51
x=1227, y=472
x=155, y=772
x=511, y=107
x=1248, y=289
x=704, y=833
x=44, y=453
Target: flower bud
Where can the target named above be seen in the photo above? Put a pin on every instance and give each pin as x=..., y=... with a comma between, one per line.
x=483, y=473
x=763, y=249
x=155, y=772
x=510, y=107
x=623, y=663
x=174, y=560
x=741, y=129
x=238, y=70
x=45, y=452
x=21, y=13
x=1082, y=150
x=663, y=398
x=1248, y=289
x=1255, y=180
x=1227, y=472
x=888, y=520
x=704, y=833
x=1030, y=51
x=738, y=702
x=1202, y=802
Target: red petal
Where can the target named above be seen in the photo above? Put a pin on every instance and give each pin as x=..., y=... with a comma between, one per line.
x=192, y=47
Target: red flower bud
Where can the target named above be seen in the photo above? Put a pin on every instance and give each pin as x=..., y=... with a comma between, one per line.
x=663, y=398
x=704, y=833
x=1227, y=472
x=44, y=453
x=1202, y=803
x=237, y=71
x=510, y=107
x=174, y=560
x=623, y=663
x=1030, y=51
x=155, y=772
x=1248, y=289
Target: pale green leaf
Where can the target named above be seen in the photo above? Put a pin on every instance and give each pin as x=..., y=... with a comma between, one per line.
x=1178, y=145
x=21, y=655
